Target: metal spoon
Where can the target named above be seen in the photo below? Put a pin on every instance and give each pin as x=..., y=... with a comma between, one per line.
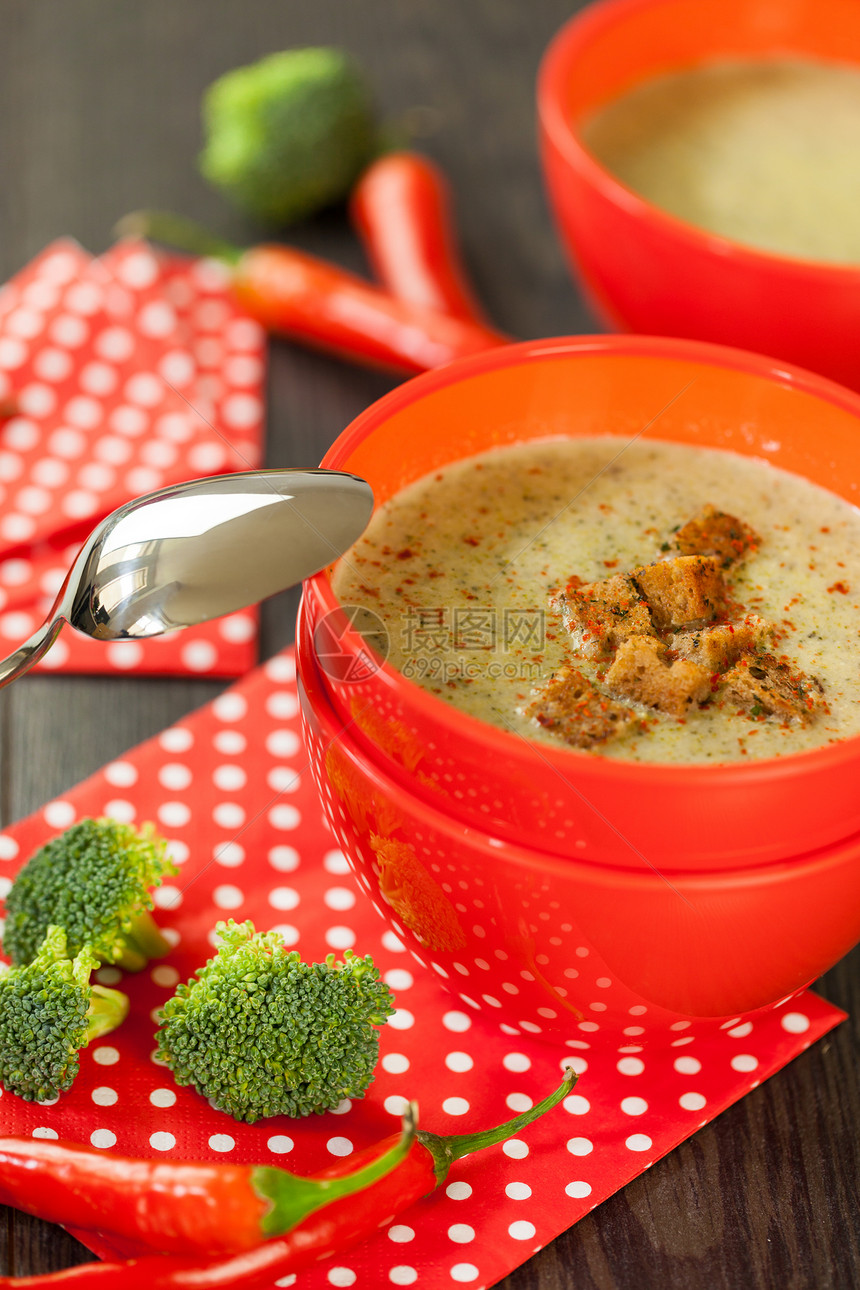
x=198, y=550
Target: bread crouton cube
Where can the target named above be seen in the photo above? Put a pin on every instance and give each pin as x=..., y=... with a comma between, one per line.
x=600, y=615
x=683, y=592
x=763, y=685
x=642, y=672
x=717, y=648
x=573, y=707
x=713, y=532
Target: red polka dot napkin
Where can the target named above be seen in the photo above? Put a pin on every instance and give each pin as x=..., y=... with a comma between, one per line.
x=127, y=373
x=229, y=786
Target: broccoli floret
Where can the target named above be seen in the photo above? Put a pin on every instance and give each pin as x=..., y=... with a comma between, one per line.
x=95, y=882
x=288, y=135
x=259, y=1032
x=48, y=1011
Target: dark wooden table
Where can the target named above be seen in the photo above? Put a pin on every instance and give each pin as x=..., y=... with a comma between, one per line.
x=99, y=115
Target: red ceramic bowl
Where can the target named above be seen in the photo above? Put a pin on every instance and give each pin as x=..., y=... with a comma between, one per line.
x=563, y=948
x=675, y=819
x=647, y=271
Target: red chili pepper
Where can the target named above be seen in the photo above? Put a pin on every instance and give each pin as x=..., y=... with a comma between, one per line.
x=304, y=298
x=401, y=209
x=177, y=1207
x=335, y=1227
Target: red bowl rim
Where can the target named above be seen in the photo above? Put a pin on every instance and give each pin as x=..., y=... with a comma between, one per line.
x=495, y=741
x=430, y=816
x=558, y=64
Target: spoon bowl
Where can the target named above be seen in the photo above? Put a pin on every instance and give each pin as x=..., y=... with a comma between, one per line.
x=199, y=550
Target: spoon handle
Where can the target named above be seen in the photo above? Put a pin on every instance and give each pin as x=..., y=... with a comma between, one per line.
x=30, y=652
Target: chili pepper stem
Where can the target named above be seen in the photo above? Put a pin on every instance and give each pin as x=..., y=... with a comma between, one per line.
x=179, y=232
x=445, y=1150
x=292, y=1198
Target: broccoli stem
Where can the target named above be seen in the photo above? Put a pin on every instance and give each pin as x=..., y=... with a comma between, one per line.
x=176, y=231
x=108, y=1008
x=445, y=1150
x=142, y=941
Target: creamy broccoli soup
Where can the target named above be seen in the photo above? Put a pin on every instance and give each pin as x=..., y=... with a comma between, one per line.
x=766, y=153
x=649, y=601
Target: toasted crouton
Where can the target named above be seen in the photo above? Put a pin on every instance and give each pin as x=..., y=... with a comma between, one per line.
x=713, y=532
x=718, y=647
x=642, y=672
x=572, y=706
x=685, y=592
x=599, y=615
x=764, y=685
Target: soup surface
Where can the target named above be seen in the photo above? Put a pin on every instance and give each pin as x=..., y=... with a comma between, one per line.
x=465, y=568
x=766, y=153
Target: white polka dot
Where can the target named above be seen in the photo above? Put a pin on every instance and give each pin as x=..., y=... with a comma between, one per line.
x=396, y=1104
x=103, y=1138
x=229, y=742
x=174, y=815
x=98, y=378
x=395, y=1063
x=229, y=815
x=796, y=1023
x=96, y=476
x=578, y=1190
x=230, y=707
x=518, y=1191
x=138, y=269
x=687, y=1065
x=199, y=656
x=281, y=779
x=634, y=1105
x=284, y=817
x=104, y=1096
x=459, y=1061
x=84, y=298
x=237, y=628
x=741, y=1032
x=638, y=1142
x=522, y=1230
x=8, y=847
x=630, y=1066
x=124, y=655
x=341, y=1277
x=37, y=400
x=339, y=1146
x=284, y=898
x=11, y=466
x=402, y=1275
x=343, y=938
x=289, y=935
x=580, y=1146
x=455, y=1106
x=20, y=433
x=59, y=814
x=229, y=778
x=283, y=743
x=228, y=854
x=128, y=421
x=162, y=1097
x=45, y=1132
x=83, y=412
x=515, y=1148
x=175, y=776
x=222, y=1142
x=461, y=1233
x=576, y=1104
x=401, y=1019
x=518, y=1103
x=692, y=1101
x=114, y=343
x=284, y=859
x=280, y=1144
x=207, y=457
x=464, y=1272
x=165, y=976
x=178, y=851
x=457, y=1021
x=105, y=1055
x=400, y=1233
x=167, y=897
x=15, y=626
x=177, y=739
x=394, y=945
x=68, y=331
x=17, y=528
x=162, y=1141
x=339, y=898
x=744, y=1062
x=13, y=353
x=228, y=896
x=122, y=774
x=24, y=322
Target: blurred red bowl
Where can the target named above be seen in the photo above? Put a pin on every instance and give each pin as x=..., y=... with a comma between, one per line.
x=643, y=269
x=676, y=818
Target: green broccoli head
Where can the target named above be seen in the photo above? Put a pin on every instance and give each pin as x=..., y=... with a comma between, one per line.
x=95, y=881
x=259, y=1033
x=289, y=134
x=48, y=1012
